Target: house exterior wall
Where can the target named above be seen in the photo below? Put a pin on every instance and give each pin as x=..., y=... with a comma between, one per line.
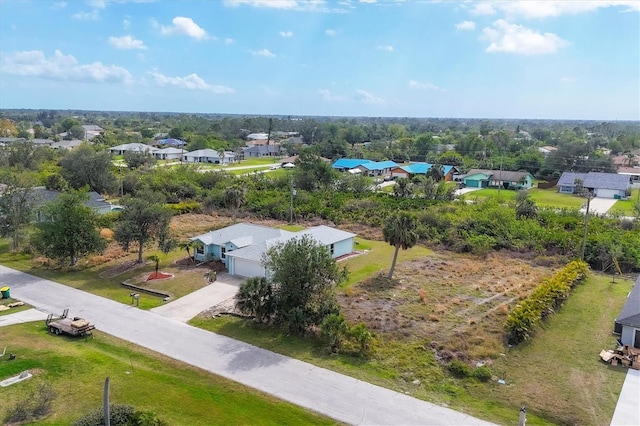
x=567, y=189
x=627, y=336
x=399, y=173
x=608, y=193
x=343, y=247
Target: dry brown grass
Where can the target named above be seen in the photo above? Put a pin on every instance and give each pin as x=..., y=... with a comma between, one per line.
x=462, y=301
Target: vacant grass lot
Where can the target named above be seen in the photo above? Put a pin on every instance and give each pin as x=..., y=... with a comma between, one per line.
x=542, y=197
x=627, y=207
x=558, y=375
x=177, y=393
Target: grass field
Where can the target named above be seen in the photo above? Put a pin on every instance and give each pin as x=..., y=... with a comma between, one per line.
x=177, y=393
x=542, y=197
x=627, y=207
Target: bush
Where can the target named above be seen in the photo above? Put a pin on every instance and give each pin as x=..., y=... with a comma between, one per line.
x=459, y=369
x=119, y=414
x=551, y=294
x=185, y=207
x=482, y=373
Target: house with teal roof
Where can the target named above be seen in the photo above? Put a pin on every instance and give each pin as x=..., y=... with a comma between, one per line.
x=345, y=164
x=421, y=169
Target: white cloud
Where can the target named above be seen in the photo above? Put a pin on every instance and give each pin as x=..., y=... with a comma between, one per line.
x=466, y=26
x=326, y=95
x=385, y=47
x=513, y=38
x=263, y=52
x=229, y=40
x=87, y=16
x=423, y=86
x=369, y=98
x=126, y=43
x=286, y=34
x=190, y=82
x=59, y=5
x=330, y=32
x=126, y=23
x=184, y=26
x=275, y=4
x=33, y=63
x=537, y=9
x=368, y=1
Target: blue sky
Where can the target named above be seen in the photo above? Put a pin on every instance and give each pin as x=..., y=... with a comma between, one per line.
x=477, y=59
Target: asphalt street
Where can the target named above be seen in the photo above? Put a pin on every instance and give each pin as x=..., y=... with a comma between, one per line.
x=335, y=395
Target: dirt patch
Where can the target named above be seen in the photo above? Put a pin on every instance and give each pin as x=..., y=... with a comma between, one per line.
x=456, y=303
x=121, y=268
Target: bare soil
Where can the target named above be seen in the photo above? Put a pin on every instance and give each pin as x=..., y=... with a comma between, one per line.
x=452, y=303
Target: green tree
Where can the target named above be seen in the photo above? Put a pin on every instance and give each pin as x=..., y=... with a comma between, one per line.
x=255, y=297
x=136, y=160
x=403, y=188
x=436, y=172
x=155, y=258
x=144, y=219
x=333, y=330
x=84, y=166
x=16, y=209
x=188, y=245
x=304, y=277
x=75, y=132
x=525, y=206
x=400, y=231
x=235, y=196
x=69, y=230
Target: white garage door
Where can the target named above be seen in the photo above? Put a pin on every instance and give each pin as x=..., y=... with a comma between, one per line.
x=606, y=193
x=248, y=268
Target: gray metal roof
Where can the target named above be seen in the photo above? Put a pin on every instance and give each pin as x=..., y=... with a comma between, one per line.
x=569, y=178
x=326, y=235
x=236, y=232
x=630, y=314
x=503, y=175
x=607, y=181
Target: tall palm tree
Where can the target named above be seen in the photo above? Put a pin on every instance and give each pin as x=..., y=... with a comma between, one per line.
x=188, y=245
x=235, y=197
x=400, y=231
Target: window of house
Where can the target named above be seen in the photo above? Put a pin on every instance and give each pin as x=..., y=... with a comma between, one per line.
x=200, y=249
x=223, y=252
x=331, y=248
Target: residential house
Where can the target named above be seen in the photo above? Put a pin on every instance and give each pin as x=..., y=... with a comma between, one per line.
x=633, y=173
x=257, y=136
x=42, y=142
x=630, y=160
x=481, y=178
x=377, y=168
x=421, y=169
x=603, y=185
x=66, y=144
x=628, y=322
x=546, y=150
x=346, y=164
x=241, y=246
x=262, y=151
x=42, y=196
x=132, y=147
x=91, y=131
x=169, y=153
x=209, y=156
x=170, y=142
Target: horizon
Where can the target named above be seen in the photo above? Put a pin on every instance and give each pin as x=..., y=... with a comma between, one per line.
x=492, y=60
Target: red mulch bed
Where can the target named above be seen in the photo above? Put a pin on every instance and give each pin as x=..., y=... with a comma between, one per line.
x=159, y=276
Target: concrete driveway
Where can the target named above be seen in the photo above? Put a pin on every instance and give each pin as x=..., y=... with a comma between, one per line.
x=335, y=395
x=627, y=411
x=463, y=191
x=183, y=309
x=29, y=315
x=599, y=205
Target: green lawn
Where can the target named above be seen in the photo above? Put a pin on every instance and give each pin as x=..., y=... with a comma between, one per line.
x=176, y=392
x=542, y=197
x=626, y=207
x=257, y=162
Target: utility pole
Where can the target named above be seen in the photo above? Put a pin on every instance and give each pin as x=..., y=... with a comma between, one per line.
x=589, y=196
x=293, y=192
x=500, y=176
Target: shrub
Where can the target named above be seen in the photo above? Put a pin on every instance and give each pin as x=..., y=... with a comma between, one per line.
x=459, y=369
x=482, y=373
x=119, y=414
x=543, y=301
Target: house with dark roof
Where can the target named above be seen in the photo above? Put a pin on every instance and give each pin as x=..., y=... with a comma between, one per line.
x=481, y=178
x=421, y=169
x=241, y=246
x=346, y=164
x=170, y=142
x=628, y=322
x=603, y=185
x=42, y=196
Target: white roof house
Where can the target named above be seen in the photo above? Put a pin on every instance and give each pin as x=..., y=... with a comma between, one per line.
x=209, y=156
x=241, y=247
x=132, y=147
x=169, y=153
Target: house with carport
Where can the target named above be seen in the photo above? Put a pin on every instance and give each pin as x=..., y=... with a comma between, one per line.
x=209, y=156
x=627, y=325
x=241, y=246
x=603, y=185
x=481, y=178
x=169, y=153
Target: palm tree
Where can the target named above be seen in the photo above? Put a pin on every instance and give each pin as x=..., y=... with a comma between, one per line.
x=235, y=197
x=155, y=258
x=402, y=188
x=188, y=245
x=400, y=231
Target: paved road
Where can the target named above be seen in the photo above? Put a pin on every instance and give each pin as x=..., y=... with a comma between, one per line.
x=183, y=309
x=335, y=395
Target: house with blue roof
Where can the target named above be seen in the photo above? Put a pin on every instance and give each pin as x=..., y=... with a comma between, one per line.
x=377, y=168
x=171, y=142
x=421, y=169
x=603, y=185
x=241, y=246
x=345, y=164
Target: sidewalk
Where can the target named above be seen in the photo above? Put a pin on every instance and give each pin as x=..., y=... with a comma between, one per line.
x=628, y=408
x=22, y=316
